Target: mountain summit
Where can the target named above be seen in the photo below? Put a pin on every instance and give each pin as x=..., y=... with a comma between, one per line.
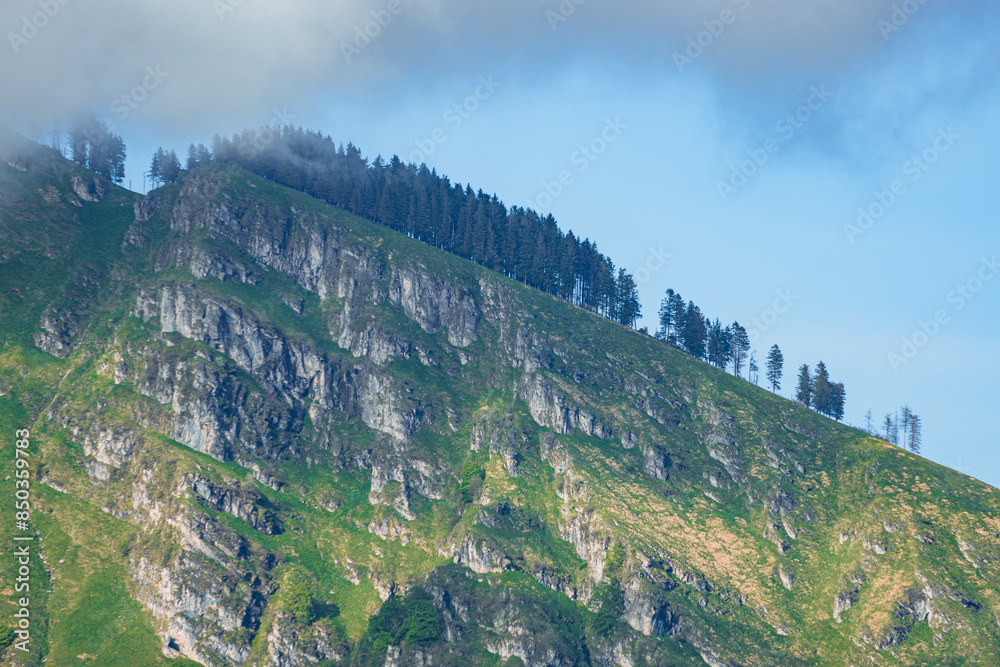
x=264, y=431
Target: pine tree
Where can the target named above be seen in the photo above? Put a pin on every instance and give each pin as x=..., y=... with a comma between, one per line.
x=677, y=313
x=93, y=145
x=869, y=424
x=753, y=371
x=740, y=345
x=156, y=168
x=629, y=306
x=889, y=427
x=79, y=133
x=666, y=315
x=416, y=201
x=116, y=158
x=775, y=368
x=822, y=399
x=695, y=331
x=916, y=435
x=838, y=398
x=906, y=416
x=203, y=154
x=804, y=392
x=719, y=345
x=170, y=167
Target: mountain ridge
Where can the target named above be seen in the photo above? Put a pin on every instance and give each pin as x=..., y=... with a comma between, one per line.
x=235, y=370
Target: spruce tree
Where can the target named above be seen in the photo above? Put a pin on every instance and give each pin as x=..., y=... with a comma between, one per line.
x=775, y=367
x=666, y=315
x=822, y=399
x=695, y=331
x=838, y=399
x=156, y=168
x=905, y=424
x=804, y=392
x=719, y=345
x=79, y=137
x=678, y=311
x=629, y=306
x=416, y=201
x=170, y=167
x=93, y=145
x=916, y=435
x=888, y=427
x=116, y=153
x=740, y=345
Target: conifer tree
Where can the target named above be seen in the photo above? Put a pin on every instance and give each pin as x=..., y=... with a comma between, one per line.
x=629, y=306
x=96, y=147
x=695, y=331
x=804, y=392
x=740, y=346
x=666, y=315
x=678, y=311
x=916, y=435
x=719, y=345
x=775, y=367
x=822, y=398
x=889, y=427
x=416, y=201
x=78, y=142
x=905, y=417
x=753, y=370
x=156, y=168
x=170, y=167
x=838, y=398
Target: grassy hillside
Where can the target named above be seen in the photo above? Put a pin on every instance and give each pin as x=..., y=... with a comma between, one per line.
x=249, y=390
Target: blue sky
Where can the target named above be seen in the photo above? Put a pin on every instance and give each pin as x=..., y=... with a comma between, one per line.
x=910, y=105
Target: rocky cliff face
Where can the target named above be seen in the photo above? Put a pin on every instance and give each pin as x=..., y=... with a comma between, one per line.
x=263, y=390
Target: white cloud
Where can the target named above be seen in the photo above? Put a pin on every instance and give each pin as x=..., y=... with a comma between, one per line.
x=235, y=59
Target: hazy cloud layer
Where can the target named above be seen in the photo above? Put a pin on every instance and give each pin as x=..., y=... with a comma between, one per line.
x=197, y=63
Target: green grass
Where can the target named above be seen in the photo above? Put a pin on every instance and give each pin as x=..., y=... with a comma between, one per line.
x=94, y=619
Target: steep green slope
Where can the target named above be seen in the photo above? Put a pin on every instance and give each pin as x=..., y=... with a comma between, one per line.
x=256, y=420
